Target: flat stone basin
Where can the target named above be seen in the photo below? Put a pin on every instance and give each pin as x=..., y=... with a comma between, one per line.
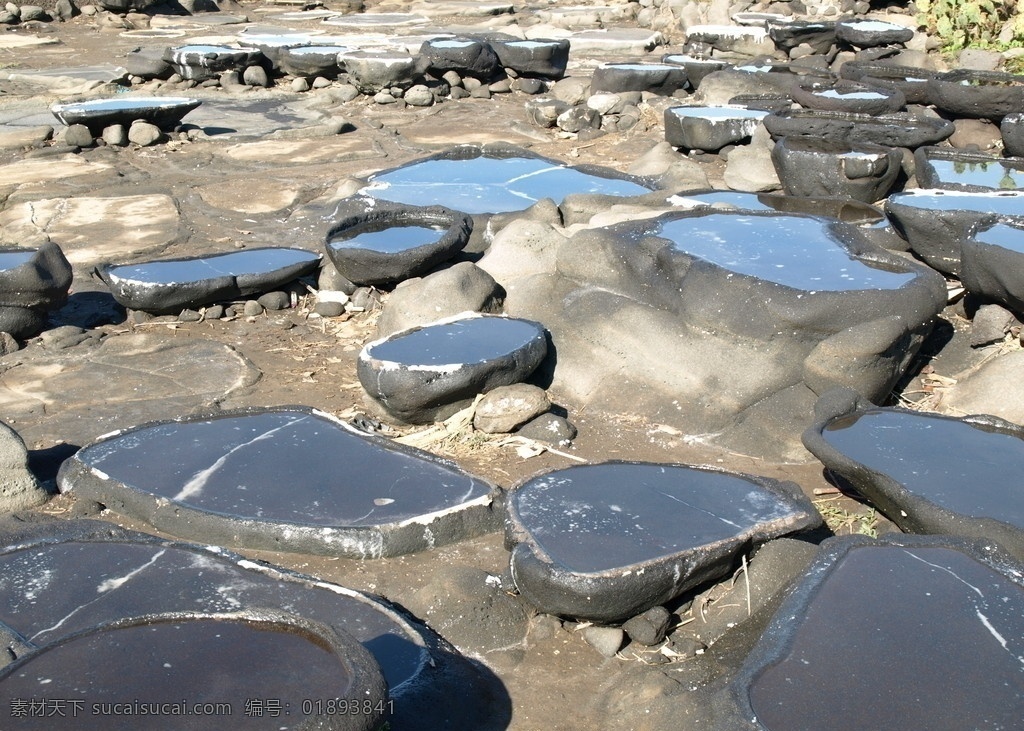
x=928, y=473
x=950, y=612
x=167, y=667
x=956, y=464
x=476, y=182
x=843, y=209
x=172, y=284
x=163, y=111
x=290, y=479
x=796, y=251
x=609, y=541
x=949, y=169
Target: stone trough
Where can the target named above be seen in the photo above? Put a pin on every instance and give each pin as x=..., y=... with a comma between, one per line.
x=927, y=473
x=234, y=480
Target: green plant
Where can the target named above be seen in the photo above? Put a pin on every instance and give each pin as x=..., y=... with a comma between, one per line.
x=963, y=24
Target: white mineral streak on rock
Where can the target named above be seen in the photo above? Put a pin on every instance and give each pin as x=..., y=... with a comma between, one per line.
x=199, y=480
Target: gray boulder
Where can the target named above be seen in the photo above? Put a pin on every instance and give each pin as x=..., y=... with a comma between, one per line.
x=462, y=287
x=18, y=486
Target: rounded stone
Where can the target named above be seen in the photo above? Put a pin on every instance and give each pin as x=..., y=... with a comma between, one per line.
x=144, y=134
x=500, y=411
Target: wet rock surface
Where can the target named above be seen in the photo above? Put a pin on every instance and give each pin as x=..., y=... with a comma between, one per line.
x=654, y=355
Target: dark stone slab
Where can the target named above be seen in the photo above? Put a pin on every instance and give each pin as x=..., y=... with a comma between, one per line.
x=982, y=94
x=658, y=78
x=167, y=286
x=951, y=169
x=893, y=130
x=910, y=80
x=545, y=58
x=868, y=33
x=310, y=60
x=34, y=278
x=170, y=664
x=385, y=243
x=710, y=128
x=992, y=264
x=1011, y=128
x=429, y=372
x=927, y=473
x=207, y=61
x=606, y=542
x=288, y=478
x=904, y=621
x=60, y=578
x=849, y=96
x=97, y=114
x=819, y=168
x=937, y=222
x=498, y=179
x=465, y=56
x=788, y=34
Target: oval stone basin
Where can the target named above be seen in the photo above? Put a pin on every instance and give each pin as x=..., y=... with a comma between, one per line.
x=430, y=372
x=951, y=611
x=796, y=251
x=928, y=473
x=608, y=541
x=476, y=182
x=170, y=285
x=385, y=243
x=203, y=61
x=290, y=479
x=163, y=111
x=172, y=666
